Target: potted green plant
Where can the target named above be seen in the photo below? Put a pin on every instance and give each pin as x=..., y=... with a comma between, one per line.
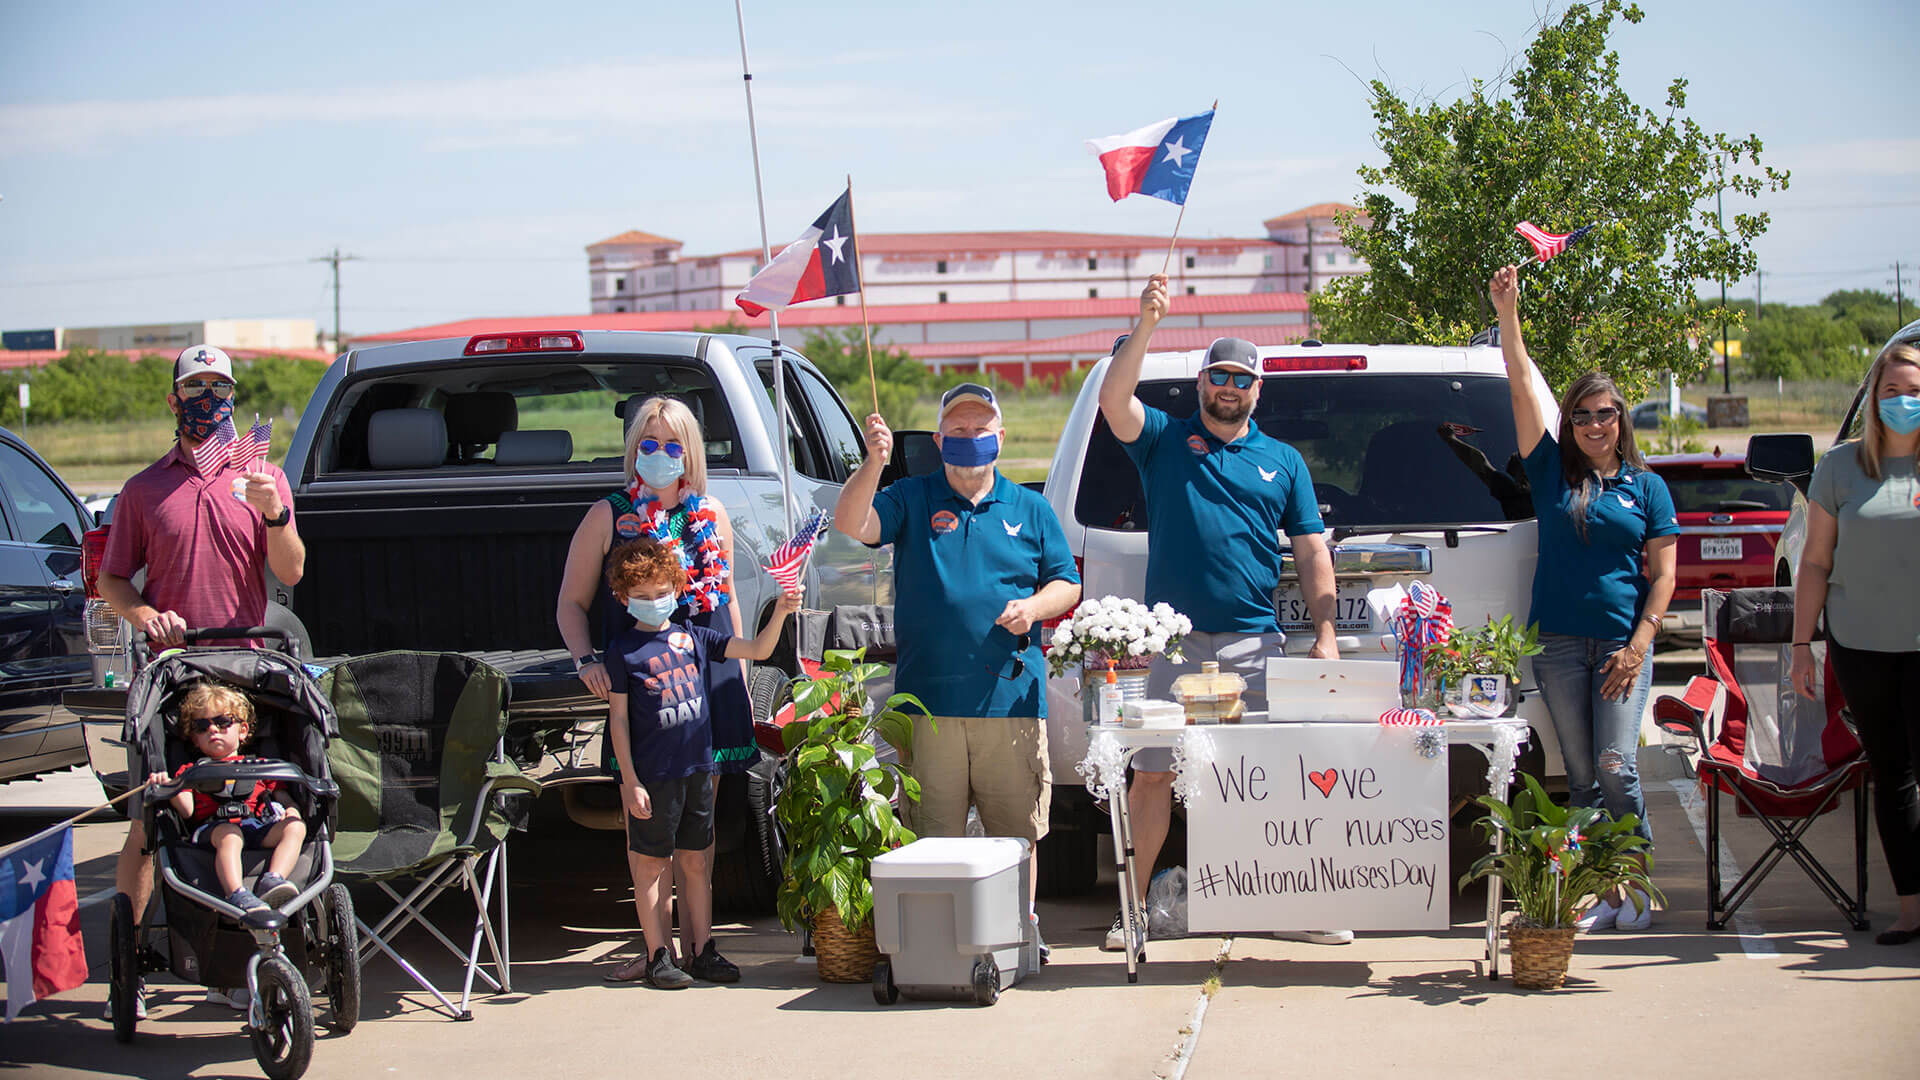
x=1477, y=669
x=837, y=810
x=1551, y=860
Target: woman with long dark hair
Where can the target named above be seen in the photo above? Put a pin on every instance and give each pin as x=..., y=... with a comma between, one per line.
x=1862, y=553
x=1601, y=515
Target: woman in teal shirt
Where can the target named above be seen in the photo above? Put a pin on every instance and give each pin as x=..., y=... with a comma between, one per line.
x=1601, y=515
x=1860, y=563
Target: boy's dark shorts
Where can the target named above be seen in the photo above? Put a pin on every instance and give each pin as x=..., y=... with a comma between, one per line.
x=682, y=817
x=253, y=832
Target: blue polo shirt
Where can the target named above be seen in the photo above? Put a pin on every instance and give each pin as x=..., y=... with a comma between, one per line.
x=955, y=567
x=1594, y=588
x=1215, y=512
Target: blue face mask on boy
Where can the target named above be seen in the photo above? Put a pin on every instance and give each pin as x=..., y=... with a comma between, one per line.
x=654, y=612
x=1901, y=414
x=969, y=453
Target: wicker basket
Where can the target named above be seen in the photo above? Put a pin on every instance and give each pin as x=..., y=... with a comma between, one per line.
x=844, y=956
x=1540, y=956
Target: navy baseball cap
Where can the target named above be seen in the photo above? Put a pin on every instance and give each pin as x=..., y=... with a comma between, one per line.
x=964, y=393
x=1233, y=352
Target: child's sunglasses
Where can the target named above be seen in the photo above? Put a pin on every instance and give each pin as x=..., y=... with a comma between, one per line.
x=1220, y=377
x=200, y=725
x=654, y=446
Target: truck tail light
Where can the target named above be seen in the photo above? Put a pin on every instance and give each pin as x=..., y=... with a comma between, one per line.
x=93, y=547
x=1046, y=639
x=106, y=631
x=1314, y=363
x=528, y=341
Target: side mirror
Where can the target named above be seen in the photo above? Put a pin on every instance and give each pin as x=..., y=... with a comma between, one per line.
x=1781, y=459
x=914, y=454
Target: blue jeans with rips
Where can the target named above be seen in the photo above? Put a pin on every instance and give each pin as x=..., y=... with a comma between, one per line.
x=1599, y=737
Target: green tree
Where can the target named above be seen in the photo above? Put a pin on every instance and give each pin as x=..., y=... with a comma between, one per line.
x=1871, y=312
x=1804, y=343
x=841, y=355
x=1557, y=142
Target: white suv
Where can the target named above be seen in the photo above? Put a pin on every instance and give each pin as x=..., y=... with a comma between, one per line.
x=1412, y=455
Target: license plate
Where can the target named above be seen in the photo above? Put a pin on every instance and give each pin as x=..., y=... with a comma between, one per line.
x=1720, y=547
x=1350, y=611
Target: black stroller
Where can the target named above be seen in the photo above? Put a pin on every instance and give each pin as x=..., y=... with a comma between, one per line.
x=206, y=940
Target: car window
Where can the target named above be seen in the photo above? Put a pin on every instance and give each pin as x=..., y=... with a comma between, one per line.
x=1383, y=450
x=1700, y=490
x=843, y=438
x=42, y=512
x=804, y=451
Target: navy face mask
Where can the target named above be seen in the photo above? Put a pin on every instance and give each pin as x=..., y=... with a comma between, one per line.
x=199, y=415
x=969, y=453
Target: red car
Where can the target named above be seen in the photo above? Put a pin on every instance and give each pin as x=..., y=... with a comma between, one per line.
x=1729, y=523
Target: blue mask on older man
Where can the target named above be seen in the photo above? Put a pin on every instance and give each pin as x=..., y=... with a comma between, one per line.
x=969, y=453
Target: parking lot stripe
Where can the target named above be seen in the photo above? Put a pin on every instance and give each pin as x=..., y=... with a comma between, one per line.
x=1177, y=1068
x=1752, y=938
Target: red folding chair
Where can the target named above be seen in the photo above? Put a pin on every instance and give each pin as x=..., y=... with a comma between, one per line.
x=1784, y=759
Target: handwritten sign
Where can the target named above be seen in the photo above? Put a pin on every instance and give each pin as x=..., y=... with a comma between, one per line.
x=1318, y=827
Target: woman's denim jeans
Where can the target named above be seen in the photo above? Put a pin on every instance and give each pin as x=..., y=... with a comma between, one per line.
x=1599, y=738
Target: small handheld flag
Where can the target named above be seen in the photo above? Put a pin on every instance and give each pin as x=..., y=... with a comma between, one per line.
x=787, y=560
x=1545, y=244
x=216, y=449
x=1157, y=160
x=822, y=262
x=40, y=944
x=224, y=448
x=252, y=447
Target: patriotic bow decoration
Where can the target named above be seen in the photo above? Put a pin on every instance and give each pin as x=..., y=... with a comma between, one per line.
x=1410, y=718
x=223, y=447
x=1425, y=618
x=787, y=560
x=1545, y=244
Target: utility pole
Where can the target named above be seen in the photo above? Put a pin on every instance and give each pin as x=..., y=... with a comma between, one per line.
x=1899, y=295
x=336, y=259
x=1726, y=359
x=1757, y=292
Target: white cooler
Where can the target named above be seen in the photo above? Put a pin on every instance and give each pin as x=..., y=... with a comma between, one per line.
x=950, y=913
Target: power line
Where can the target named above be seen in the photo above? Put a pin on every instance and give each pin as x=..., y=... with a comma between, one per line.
x=336, y=259
x=150, y=277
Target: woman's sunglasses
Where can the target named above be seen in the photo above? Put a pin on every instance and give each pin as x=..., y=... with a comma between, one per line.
x=1584, y=417
x=195, y=387
x=654, y=446
x=1241, y=380
x=203, y=724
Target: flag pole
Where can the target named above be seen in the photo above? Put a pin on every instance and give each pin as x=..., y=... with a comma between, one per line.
x=766, y=253
x=74, y=820
x=866, y=329
x=1182, y=216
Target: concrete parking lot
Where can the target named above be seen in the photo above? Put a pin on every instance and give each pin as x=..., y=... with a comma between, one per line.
x=1786, y=991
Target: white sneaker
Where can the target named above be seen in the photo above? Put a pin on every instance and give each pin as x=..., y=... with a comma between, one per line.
x=1632, y=919
x=139, y=1003
x=1117, y=934
x=1601, y=916
x=237, y=998
x=1316, y=937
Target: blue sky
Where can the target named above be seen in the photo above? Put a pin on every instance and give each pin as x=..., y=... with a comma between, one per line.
x=169, y=162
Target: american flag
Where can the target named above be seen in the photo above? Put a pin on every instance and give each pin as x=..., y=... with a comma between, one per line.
x=252, y=447
x=216, y=449
x=787, y=560
x=1545, y=244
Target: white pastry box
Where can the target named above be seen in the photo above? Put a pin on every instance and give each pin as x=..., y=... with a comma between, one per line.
x=950, y=913
x=1301, y=688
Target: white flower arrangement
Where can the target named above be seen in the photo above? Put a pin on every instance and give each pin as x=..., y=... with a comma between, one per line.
x=1115, y=628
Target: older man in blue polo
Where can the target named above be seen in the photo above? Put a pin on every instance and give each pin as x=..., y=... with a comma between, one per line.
x=979, y=563
x=1219, y=492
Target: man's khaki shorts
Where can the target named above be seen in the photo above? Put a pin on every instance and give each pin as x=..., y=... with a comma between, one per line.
x=995, y=763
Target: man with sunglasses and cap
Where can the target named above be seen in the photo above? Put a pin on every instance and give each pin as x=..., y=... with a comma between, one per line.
x=979, y=563
x=1219, y=492
x=205, y=539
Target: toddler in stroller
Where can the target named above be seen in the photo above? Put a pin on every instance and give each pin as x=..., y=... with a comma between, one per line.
x=187, y=723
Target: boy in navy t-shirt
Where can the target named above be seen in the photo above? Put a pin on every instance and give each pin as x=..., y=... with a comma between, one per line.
x=663, y=740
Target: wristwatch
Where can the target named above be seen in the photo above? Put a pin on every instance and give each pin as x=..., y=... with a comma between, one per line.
x=585, y=659
x=286, y=515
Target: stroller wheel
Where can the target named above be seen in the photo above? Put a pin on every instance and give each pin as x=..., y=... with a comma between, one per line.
x=342, y=960
x=283, y=1045
x=123, y=969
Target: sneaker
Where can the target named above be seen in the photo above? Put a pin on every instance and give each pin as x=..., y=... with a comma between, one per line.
x=139, y=1002
x=276, y=890
x=236, y=998
x=710, y=966
x=663, y=974
x=1632, y=917
x=1117, y=934
x=1316, y=937
x=1046, y=953
x=245, y=900
x=1601, y=916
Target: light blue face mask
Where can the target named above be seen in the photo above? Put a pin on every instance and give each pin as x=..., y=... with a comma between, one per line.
x=1901, y=414
x=652, y=612
x=657, y=470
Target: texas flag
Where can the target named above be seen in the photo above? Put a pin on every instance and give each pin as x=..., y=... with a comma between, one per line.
x=822, y=262
x=1157, y=160
x=40, y=945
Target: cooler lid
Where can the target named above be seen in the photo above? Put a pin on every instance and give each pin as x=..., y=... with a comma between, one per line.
x=967, y=857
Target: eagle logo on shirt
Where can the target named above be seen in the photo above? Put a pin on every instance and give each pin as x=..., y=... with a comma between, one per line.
x=680, y=641
x=1013, y=529
x=945, y=521
x=1266, y=474
x=1624, y=500
x=1198, y=445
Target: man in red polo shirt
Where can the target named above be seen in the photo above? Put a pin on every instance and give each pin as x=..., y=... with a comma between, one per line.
x=206, y=540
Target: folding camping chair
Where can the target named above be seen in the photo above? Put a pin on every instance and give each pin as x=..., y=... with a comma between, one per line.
x=1784, y=759
x=425, y=788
